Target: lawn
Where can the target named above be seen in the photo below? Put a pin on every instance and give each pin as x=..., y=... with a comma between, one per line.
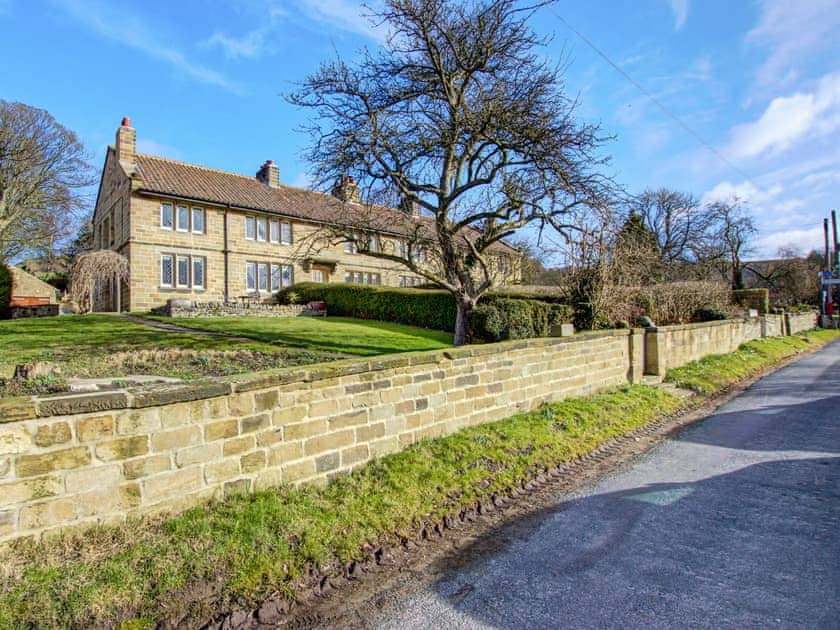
x=332, y=334
x=106, y=346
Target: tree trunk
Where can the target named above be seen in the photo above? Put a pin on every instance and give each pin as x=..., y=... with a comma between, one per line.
x=462, y=318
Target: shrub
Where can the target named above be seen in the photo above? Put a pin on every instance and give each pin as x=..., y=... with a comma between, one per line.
x=759, y=299
x=709, y=314
x=58, y=280
x=509, y=318
x=667, y=303
x=5, y=291
x=500, y=318
x=487, y=323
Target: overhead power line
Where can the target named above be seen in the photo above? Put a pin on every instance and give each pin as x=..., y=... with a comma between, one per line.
x=654, y=100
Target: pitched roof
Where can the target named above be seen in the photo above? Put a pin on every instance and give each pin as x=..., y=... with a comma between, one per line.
x=170, y=177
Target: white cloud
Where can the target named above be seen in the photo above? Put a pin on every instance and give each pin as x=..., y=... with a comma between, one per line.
x=799, y=240
x=820, y=180
x=746, y=192
x=130, y=30
x=680, y=9
x=793, y=31
x=345, y=14
x=252, y=44
x=789, y=120
x=303, y=180
x=152, y=147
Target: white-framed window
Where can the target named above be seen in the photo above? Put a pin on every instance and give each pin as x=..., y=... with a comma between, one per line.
x=262, y=276
x=286, y=233
x=409, y=281
x=375, y=279
x=183, y=219
x=250, y=228
x=350, y=246
x=262, y=229
x=274, y=231
x=251, y=276
x=167, y=270
x=182, y=269
x=275, y=277
x=288, y=275
x=198, y=265
x=401, y=248
x=317, y=275
x=167, y=218
x=373, y=244
x=348, y=276
x=198, y=220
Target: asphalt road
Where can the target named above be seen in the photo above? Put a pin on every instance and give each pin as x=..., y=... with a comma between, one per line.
x=734, y=523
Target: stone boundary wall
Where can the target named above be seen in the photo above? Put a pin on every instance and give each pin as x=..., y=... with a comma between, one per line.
x=669, y=347
x=800, y=322
x=99, y=458
x=77, y=460
x=222, y=309
x=39, y=310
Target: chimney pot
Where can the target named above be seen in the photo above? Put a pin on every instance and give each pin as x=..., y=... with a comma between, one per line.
x=346, y=188
x=126, y=144
x=269, y=174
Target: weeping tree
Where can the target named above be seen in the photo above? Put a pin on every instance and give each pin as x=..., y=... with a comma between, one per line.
x=461, y=121
x=90, y=274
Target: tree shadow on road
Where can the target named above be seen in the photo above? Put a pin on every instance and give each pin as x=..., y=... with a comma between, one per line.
x=748, y=548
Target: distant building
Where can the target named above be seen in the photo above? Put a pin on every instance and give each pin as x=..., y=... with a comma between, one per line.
x=27, y=290
x=203, y=234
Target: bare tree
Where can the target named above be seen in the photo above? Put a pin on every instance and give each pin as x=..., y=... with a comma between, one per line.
x=43, y=169
x=681, y=226
x=791, y=277
x=458, y=117
x=733, y=230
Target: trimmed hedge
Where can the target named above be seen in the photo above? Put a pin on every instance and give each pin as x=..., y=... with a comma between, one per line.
x=5, y=291
x=496, y=318
x=425, y=308
x=759, y=299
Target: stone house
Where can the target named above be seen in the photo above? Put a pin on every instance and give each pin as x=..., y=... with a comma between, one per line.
x=210, y=236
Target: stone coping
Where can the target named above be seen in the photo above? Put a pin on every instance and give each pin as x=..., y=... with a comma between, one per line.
x=65, y=404
x=724, y=322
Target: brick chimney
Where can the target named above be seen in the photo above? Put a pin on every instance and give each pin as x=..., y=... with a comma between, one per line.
x=127, y=144
x=269, y=174
x=346, y=188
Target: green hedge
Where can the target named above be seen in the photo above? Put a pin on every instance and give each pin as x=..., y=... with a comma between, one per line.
x=497, y=317
x=429, y=309
x=500, y=318
x=759, y=299
x=5, y=291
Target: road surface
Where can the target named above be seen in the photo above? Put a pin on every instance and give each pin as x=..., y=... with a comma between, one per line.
x=733, y=523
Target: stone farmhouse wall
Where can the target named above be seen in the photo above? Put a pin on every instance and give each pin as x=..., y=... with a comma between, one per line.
x=77, y=460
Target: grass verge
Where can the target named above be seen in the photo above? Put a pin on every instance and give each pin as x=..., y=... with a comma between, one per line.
x=239, y=550
x=716, y=372
x=252, y=545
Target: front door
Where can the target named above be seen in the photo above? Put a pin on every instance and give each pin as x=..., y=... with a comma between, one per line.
x=320, y=273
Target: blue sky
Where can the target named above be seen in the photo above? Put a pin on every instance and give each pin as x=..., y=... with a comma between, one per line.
x=758, y=80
